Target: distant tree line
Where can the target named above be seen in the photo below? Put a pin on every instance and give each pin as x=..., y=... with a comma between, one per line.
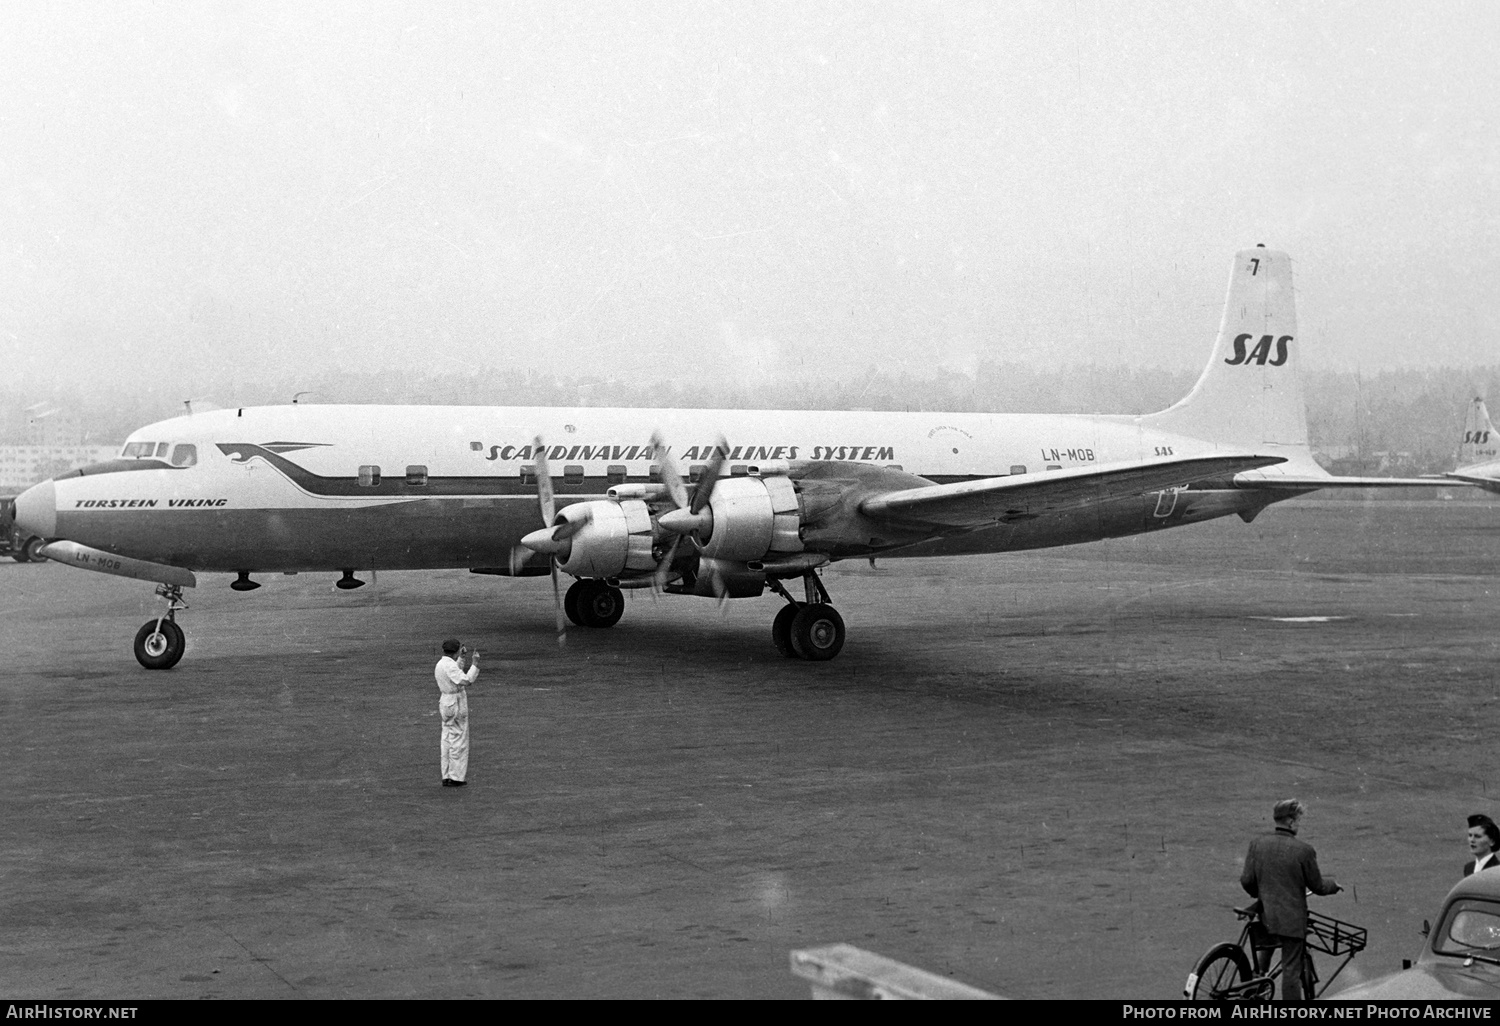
x=1403, y=421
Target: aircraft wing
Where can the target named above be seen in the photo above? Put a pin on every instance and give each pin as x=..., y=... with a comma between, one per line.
x=1025, y=496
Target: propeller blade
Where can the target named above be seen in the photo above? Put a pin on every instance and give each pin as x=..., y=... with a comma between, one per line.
x=669, y=476
x=664, y=568
x=716, y=583
x=544, y=482
x=562, y=618
x=705, y=487
x=576, y=522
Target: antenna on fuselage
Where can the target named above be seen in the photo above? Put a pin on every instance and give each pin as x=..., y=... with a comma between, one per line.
x=204, y=405
x=299, y=395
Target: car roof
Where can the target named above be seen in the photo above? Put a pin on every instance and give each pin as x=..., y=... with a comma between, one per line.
x=1483, y=884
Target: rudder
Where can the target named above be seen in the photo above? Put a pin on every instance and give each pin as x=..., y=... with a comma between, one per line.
x=1480, y=443
x=1250, y=394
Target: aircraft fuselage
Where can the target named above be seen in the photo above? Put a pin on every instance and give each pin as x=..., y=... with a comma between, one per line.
x=304, y=488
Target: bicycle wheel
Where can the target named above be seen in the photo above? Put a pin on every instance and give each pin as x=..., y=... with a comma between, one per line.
x=1218, y=975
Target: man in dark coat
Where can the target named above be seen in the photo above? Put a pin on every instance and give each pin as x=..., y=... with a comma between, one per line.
x=1484, y=844
x=1280, y=870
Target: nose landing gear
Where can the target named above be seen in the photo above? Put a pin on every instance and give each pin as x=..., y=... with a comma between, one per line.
x=159, y=643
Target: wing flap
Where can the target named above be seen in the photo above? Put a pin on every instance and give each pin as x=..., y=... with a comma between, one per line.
x=1024, y=496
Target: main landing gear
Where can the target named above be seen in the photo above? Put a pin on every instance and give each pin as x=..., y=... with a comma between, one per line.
x=159, y=643
x=593, y=603
x=811, y=630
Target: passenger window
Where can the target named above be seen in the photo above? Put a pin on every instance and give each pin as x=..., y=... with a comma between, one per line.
x=528, y=474
x=654, y=474
x=1054, y=466
x=1018, y=468
x=617, y=473
x=184, y=455
x=573, y=474
x=696, y=471
x=738, y=470
x=417, y=476
x=369, y=476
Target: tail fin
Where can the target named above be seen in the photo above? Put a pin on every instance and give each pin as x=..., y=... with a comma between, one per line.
x=1250, y=395
x=1481, y=444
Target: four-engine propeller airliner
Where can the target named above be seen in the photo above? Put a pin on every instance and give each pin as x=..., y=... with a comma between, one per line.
x=716, y=503
x=1479, y=452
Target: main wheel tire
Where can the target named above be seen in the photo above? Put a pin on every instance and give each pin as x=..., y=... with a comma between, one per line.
x=34, y=550
x=600, y=605
x=817, y=632
x=159, y=649
x=19, y=554
x=1224, y=968
x=781, y=631
x=570, y=602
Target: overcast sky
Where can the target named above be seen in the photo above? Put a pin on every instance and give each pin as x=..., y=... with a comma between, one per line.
x=196, y=192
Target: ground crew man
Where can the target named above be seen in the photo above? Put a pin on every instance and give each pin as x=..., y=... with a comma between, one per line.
x=455, y=672
x=1280, y=870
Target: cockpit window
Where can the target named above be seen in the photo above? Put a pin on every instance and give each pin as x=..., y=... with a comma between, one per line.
x=1470, y=925
x=161, y=449
x=184, y=455
x=138, y=450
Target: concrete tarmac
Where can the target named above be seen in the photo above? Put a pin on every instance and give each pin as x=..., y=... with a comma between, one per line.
x=1036, y=773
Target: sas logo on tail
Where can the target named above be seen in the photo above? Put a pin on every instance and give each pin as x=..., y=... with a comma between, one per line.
x=1262, y=351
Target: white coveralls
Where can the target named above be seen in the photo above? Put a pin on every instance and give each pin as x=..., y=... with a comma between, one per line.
x=453, y=707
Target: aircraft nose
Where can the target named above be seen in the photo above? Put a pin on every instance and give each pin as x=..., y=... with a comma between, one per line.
x=36, y=510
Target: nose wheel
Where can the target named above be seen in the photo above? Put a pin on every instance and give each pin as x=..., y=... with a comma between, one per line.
x=160, y=643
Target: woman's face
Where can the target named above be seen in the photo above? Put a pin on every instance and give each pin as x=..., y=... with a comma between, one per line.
x=1479, y=842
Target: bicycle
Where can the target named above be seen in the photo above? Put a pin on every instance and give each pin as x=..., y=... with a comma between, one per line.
x=1224, y=973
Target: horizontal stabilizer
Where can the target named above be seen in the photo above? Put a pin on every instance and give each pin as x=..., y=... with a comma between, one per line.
x=1488, y=481
x=1022, y=496
x=1307, y=482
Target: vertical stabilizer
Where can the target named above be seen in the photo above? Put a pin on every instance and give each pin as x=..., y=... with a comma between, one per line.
x=1250, y=395
x=1480, y=444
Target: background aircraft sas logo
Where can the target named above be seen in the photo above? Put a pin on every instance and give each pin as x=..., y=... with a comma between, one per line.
x=1262, y=351
x=1476, y=437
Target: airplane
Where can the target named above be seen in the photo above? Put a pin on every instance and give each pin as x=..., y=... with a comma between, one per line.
x=724, y=504
x=1479, y=452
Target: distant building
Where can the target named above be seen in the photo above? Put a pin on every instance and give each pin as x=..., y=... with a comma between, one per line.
x=22, y=466
x=49, y=425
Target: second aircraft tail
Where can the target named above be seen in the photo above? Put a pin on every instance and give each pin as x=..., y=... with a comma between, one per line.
x=1480, y=444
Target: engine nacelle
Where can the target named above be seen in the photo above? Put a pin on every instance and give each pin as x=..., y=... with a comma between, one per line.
x=752, y=516
x=616, y=540
x=721, y=578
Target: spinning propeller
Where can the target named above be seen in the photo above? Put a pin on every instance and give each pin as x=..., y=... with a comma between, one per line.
x=555, y=539
x=692, y=519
